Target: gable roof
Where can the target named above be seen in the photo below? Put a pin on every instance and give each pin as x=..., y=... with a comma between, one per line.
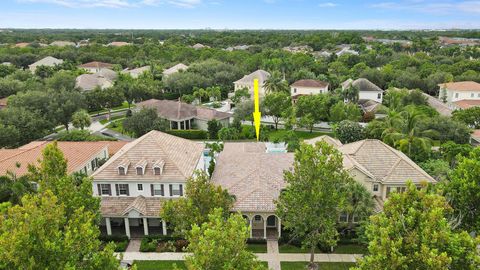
x=47, y=61
x=137, y=71
x=260, y=74
x=177, y=110
x=121, y=206
x=461, y=86
x=175, y=69
x=309, y=83
x=181, y=157
x=76, y=154
x=96, y=64
x=467, y=103
x=103, y=78
x=362, y=84
x=325, y=138
x=253, y=176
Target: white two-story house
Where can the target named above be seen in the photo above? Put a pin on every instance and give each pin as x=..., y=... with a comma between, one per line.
x=307, y=87
x=460, y=95
x=366, y=89
x=247, y=82
x=143, y=174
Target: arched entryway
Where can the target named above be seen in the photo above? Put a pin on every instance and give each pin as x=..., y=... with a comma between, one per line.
x=258, y=226
x=273, y=227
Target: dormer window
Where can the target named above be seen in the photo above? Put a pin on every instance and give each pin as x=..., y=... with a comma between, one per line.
x=139, y=171
x=123, y=167
x=140, y=167
x=158, y=167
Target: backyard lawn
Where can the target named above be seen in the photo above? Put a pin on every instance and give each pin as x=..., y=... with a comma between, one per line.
x=257, y=248
x=323, y=266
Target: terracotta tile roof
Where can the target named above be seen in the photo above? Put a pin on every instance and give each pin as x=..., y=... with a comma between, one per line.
x=252, y=175
x=309, y=83
x=96, y=64
x=476, y=133
x=121, y=206
x=76, y=154
x=461, y=86
x=118, y=44
x=176, y=110
x=467, y=103
x=21, y=45
x=115, y=146
x=181, y=157
x=3, y=102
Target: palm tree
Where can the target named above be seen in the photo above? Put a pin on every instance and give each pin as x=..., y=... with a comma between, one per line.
x=276, y=83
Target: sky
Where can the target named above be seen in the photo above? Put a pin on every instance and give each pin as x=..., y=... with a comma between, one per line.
x=240, y=14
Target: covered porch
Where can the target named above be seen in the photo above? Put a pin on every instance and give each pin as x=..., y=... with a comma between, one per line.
x=133, y=227
x=263, y=226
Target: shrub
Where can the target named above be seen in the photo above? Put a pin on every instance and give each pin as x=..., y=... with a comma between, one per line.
x=192, y=134
x=348, y=131
x=150, y=243
x=120, y=241
x=81, y=136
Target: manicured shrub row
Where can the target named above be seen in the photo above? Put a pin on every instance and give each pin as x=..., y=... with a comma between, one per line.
x=120, y=241
x=192, y=134
x=162, y=243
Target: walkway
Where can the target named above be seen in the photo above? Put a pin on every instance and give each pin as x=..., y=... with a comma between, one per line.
x=272, y=251
x=134, y=245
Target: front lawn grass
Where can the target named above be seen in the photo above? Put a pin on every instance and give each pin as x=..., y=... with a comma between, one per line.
x=159, y=265
x=340, y=249
x=322, y=265
x=286, y=248
x=113, y=118
x=257, y=248
x=279, y=135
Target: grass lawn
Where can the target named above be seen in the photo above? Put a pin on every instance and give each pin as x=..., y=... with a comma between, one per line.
x=280, y=134
x=286, y=248
x=323, y=266
x=257, y=248
x=117, y=126
x=114, y=118
x=123, y=106
x=159, y=265
x=340, y=249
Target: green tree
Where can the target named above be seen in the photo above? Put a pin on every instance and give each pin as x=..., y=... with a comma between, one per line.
x=12, y=189
x=413, y=232
x=144, y=121
x=9, y=136
x=311, y=203
x=463, y=191
x=213, y=128
x=275, y=83
x=341, y=111
x=201, y=198
x=81, y=119
x=226, y=134
x=359, y=203
x=63, y=104
x=220, y=243
x=276, y=104
x=351, y=94
x=38, y=235
x=61, y=80
x=470, y=116
x=348, y=131
x=437, y=168
x=312, y=109
x=451, y=152
x=240, y=95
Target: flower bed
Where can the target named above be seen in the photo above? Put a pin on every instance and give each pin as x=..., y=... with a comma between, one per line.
x=163, y=243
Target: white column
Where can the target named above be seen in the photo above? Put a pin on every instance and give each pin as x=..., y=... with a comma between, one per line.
x=164, y=227
x=279, y=227
x=145, y=226
x=251, y=227
x=109, y=226
x=264, y=227
x=127, y=227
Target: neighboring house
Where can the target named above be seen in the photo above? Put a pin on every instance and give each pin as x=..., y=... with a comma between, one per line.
x=307, y=87
x=48, y=61
x=103, y=79
x=143, y=174
x=169, y=71
x=256, y=177
x=3, y=103
x=298, y=49
x=183, y=115
x=80, y=156
x=247, y=82
x=95, y=66
x=475, y=138
x=346, y=50
x=460, y=95
x=62, y=43
x=136, y=72
x=438, y=105
x=118, y=44
x=200, y=46
x=22, y=45
x=366, y=89
x=238, y=48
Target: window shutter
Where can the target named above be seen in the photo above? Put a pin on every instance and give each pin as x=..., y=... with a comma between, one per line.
x=117, y=189
x=151, y=190
x=99, y=190
x=128, y=190
x=171, y=187
x=109, y=190
x=161, y=190
x=181, y=190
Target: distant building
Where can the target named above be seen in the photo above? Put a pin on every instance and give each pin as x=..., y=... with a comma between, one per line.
x=237, y=48
x=134, y=73
x=48, y=61
x=105, y=78
x=298, y=49
x=366, y=89
x=62, y=43
x=346, y=50
x=174, y=69
x=247, y=82
x=118, y=44
x=95, y=66
x=185, y=116
x=307, y=87
x=200, y=46
x=21, y=45
x=461, y=95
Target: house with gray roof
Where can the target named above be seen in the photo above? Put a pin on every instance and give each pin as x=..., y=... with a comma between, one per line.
x=178, y=67
x=136, y=72
x=366, y=89
x=185, y=116
x=104, y=78
x=48, y=61
x=247, y=82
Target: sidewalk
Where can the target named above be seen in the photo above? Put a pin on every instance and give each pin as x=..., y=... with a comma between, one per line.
x=272, y=252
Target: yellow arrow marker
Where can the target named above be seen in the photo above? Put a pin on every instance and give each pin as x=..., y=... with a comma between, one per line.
x=257, y=115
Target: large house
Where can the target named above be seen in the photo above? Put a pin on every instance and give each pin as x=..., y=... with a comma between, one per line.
x=460, y=95
x=247, y=82
x=61, y=43
x=137, y=179
x=185, y=116
x=136, y=72
x=95, y=66
x=255, y=176
x=178, y=67
x=307, y=87
x=104, y=79
x=48, y=61
x=80, y=156
x=366, y=89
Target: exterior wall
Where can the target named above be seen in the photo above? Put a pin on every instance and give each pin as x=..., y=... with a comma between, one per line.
x=134, y=191
x=453, y=96
x=308, y=90
x=373, y=95
x=87, y=166
x=249, y=86
x=366, y=181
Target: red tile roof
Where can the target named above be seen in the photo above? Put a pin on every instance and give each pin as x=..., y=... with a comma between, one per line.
x=467, y=103
x=461, y=86
x=96, y=64
x=309, y=83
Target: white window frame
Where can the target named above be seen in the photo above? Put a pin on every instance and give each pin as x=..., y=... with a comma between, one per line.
x=101, y=189
x=120, y=189
x=158, y=187
x=142, y=170
x=155, y=168
x=175, y=191
x=140, y=187
x=124, y=170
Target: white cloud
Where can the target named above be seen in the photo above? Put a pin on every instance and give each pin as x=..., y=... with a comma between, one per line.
x=327, y=4
x=441, y=7
x=116, y=3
